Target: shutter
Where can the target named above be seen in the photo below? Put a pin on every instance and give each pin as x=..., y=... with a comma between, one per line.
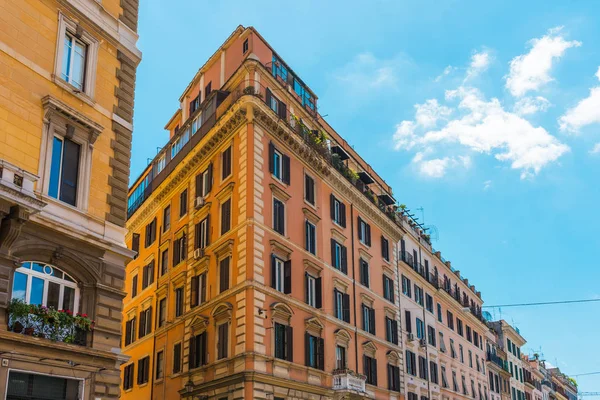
x=332, y=206
x=197, y=235
x=273, y=272
x=204, y=352
x=368, y=241
x=408, y=321
x=271, y=149
x=198, y=185
x=287, y=277
x=282, y=110
x=135, y=242
x=320, y=353
x=385, y=289
x=281, y=212
x=289, y=341
x=176, y=252
x=359, y=230
x=207, y=239
x=192, y=355
x=268, y=99
x=402, y=247
x=224, y=275
x=318, y=293
x=372, y=321
x=346, y=307
x=195, y=287
x=203, y=289
x=149, y=319
x=343, y=214
x=286, y=170
x=390, y=377
x=127, y=333
x=374, y=370
x=142, y=325
x=306, y=287
x=70, y=172
x=344, y=260
x=366, y=365
x=210, y=177
x=361, y=271
x=333, y=252
x=307, y=349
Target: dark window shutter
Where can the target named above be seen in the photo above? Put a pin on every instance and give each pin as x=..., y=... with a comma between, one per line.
x=320, y=353
x=197, y=234
x=343, y=214
x=346, y=306
x=318, y=293
x=361, y=271
x=224, y=283
x=203, y=289
x=289, y=341
x=402, y=247
x=142, y=325
x=287, y=277
x=127, y=333
x=390, y=377
x=286, y=169
x=282, y=110
x=333, y=252
x=344, y=260
x=407, y=321
x=195, y=286
x=198, y=185
x=307, y=349
x=281, y=218
x=204, y=352
x=306, y=287
x=273, y=272
x=359, y=229
x=210, y=177
x=268, y=98
x=135, y=242
x=192, y=356
x=368, y=239
x=208, y=229
x=372, y=320
x=271, y=151
x=70, y=172
x=332, y=206
x=374, y=370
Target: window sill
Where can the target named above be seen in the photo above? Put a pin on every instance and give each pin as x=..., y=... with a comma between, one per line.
x=81, y=95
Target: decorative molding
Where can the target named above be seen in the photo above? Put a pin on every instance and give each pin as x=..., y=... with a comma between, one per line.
x=199, y=324
x=314, y=325
x=53, y=106
x=342, y=336
x=281, y=312
x=224, y=249
x=279, y=192
x=311, y=266
x=338, y=236
x=366, y=299
x=11, y=226
x=279, y=248
x=369, y=348
x=364, y=254
x=340, y=284
x=311, y=215
x=225, y=193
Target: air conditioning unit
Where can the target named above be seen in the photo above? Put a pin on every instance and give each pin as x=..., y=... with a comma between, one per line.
x=198, y=253
x=411, y=337
x=422, y=342
x=199, y=202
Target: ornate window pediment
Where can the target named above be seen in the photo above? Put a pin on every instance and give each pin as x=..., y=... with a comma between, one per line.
x=342, y=337
x=393, y=357
x=313, y=325
x=369, y=348
x=199, y=324
x=281, y=312
x=222, y=312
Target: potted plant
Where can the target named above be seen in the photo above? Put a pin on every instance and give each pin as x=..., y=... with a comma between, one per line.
x=18, y=313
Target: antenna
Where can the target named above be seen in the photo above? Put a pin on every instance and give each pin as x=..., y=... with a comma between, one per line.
x=431, y=230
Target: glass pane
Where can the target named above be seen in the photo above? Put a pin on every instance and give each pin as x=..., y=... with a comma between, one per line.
x=19, y=286
x=37, y=291
x=53, y=295
x=68, y=299
x=66, y=65
x=55, y=167
x=38, y=267
x=78, y=65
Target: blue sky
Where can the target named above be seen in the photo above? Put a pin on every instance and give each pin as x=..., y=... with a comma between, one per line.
x=486, y=114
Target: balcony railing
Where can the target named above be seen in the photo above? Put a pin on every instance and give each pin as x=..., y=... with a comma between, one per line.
x=51, y=328
x=347, y=380
x=496, y=359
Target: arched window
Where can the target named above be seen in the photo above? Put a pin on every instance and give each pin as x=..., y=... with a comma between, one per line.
x=40, y=283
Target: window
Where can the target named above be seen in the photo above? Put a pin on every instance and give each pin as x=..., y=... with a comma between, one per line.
x=431, y=335
x=197, y=122
x=162, y=311
x=391, y=330
x=368, y=315
x=74, y=61
x=225, y=216
x=408, y=321
x=469, y=334
x=130, y=331
x=339, y=256
x=278, y=216
x=183, y=203
x=204, y=182
x=439, y=312
x=364, y=232
x=166, y=218
x=143, y=369
x=423, y=368
x=313, y=291
x=433, y=372
x=388, y=288
x=148, y=275
x=429, y=303
x=370, y=369
x=135, y=243
x=470, y=359
x=198, y=351
x=177, y=358
x=419, y=295
x=178, y=302
x=340, y=357
x=411, y=363
x=406, y=286
x=444, y=381
x=314, y=351
x=276, y=105
x=195, y=104
x=245, y=46
x=198, y=290
x=43, y=284
x=420, y=329
x=442, y=343
x=450, y=320
x=64, y=170
x=460, y=352
x=145, y=322
x=310, y=239
x=226, y=163
x=454, y=382
x=159, y=361
x=224, y=274
x=385, y=249
x=164, y=261
x=364, y=272
x=284, y=348
x=309, y=189
x=179, y=249
x=281, y=274
x=342, y=305
x=179, y=143
x=223, y=341
x=134, y=286
x=202, y=233
x=459, y=327
x=279, y=164
x=207, y=89
x=338, y=211
x=128, y=376
x=452, y=349
x=393, y=378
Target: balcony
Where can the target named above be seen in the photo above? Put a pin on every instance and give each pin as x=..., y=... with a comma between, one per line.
x=345, y=380
x=495, y=359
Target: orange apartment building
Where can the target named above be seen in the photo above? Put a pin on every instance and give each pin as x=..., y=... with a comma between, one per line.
x=266, y=264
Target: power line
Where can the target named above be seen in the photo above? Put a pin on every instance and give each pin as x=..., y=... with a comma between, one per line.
x=587, y=373
x=542, y=303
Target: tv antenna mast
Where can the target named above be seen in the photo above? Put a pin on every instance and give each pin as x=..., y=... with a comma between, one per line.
x=431, y=230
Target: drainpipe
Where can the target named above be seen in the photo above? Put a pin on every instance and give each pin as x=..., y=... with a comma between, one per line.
x=353, y=285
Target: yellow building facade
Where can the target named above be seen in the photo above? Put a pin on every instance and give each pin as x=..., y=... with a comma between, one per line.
x=67, y=78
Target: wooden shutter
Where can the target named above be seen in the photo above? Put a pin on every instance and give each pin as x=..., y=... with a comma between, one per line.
x=333, y=252
x=127, y=333
x=408, y=321
x=195, y=286
x=204, y=352
x=374, y=370
x=197, y=235
x=332, y=206
x=203, y=288
x=372, y=320
x=281, y=215
x=268, y=99
x=271, y=148
x=394, y=331
x=368, y=239
x=273, y=271
x=224, y=282
x=287, y=277
x=210, y=177
x=346, y=306
x=359, y=229
x=282, y=110
x=306, y=287
x=320, y=353
x=70, y=172
x=142, y=325
x=192, y=356
x=390, y=377
x=286, y=169
x=198, y=185
x=135, y=242
x=343, y=214
x=289, y=342
x=225, y=216
x=318, y=293
x=307, y=349
x=149, y=320
x=344, y=260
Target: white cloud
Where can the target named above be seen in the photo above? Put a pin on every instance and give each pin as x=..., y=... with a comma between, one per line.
x=586, y=112
x=447, y=71
x=428, y=113
x=437, y=167
x=487, y=184
x=479, y=63
x=367, y=72
x=532, y=70
x=531, y=105
x=484, y=126
x=595, y=149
